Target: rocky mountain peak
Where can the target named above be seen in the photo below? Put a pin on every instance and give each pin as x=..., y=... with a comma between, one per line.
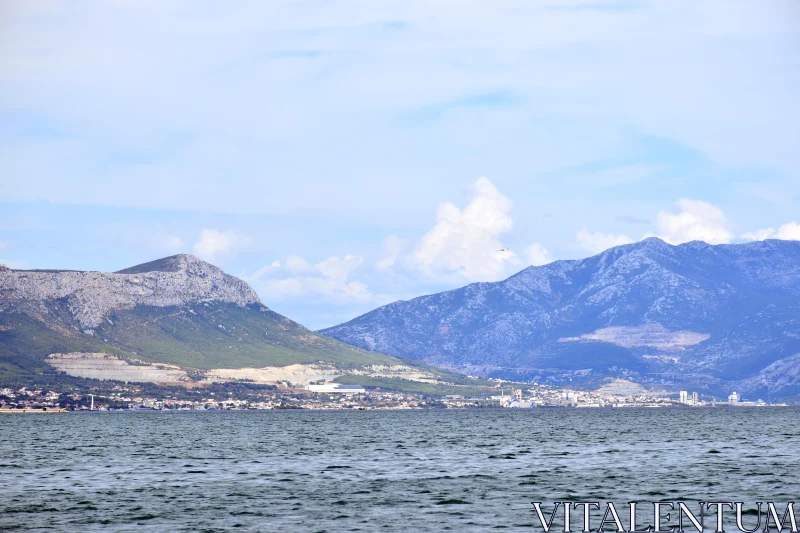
x=177, y=280
x=173, y=263
x=653, y=242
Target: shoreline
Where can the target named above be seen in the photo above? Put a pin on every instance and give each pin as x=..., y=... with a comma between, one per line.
x=32, y=411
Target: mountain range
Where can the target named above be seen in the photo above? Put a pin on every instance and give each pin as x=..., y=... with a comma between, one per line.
x=176, y=320
x=712, y=317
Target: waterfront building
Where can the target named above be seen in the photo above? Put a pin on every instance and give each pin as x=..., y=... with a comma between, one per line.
x=337, y=388
x=568, y=398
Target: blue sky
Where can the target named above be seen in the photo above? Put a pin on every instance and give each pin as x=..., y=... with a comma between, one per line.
x=340, y=155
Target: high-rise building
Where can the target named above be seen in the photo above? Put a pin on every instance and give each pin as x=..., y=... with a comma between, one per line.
x=684, y=396
x=695, y=400
x=568, y=398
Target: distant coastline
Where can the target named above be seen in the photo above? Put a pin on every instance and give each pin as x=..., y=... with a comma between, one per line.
x=44, y=411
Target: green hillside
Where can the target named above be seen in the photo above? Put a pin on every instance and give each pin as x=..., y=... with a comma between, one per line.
x=25, y=342
x=225, y=336
x=201, y=336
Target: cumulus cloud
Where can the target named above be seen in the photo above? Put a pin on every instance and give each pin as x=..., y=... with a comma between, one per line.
x=788, y=232
x=467, y=241
x=691, y=220
x=464, y=243
x=537, y=255
x=213, y=243
x=597, y=242
x=759, y=234
x=695, y=221
x=294, y=277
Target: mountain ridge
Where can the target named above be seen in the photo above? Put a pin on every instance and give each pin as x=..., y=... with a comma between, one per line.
x=737, y=304
x=92, y=295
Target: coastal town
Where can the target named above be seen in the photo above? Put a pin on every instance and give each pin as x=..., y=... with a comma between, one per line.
x=134, y=397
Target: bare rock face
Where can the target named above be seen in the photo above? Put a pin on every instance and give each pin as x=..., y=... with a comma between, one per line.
x=650, y=335
x=90, y=296
x=106, y=366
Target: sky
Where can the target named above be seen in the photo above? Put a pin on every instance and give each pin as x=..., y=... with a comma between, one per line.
x=343, y=154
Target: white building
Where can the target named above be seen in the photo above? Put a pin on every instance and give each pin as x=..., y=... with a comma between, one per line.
x=734, y=397
x=695, y=400
x=337, y=388
x=684, y=396
x=568, y=398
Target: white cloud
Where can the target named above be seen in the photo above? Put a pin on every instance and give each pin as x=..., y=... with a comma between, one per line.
x=759, y=234
x=695, y=221
x=466, y=241
x=295, y=277
x=597, y=242
x=788, y=232
x=213, y=243
x=537, y=255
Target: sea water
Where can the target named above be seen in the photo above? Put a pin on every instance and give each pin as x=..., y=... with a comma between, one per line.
x=431, y=470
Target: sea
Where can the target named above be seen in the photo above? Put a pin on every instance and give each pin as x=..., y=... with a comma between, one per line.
x=417, y=471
